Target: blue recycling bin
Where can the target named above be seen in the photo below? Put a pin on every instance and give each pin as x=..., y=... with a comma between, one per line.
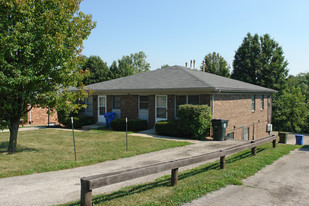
x=109, y=116
x=299, y=139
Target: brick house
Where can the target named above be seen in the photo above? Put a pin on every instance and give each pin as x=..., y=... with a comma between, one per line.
x=39, y=116
x=156, y=95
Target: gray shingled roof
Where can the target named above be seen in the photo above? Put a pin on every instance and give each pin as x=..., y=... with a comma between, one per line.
x=176, y=78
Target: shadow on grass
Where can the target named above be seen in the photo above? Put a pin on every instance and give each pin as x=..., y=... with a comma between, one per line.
x=4, y=148
x=165, y=180
x=304, y=148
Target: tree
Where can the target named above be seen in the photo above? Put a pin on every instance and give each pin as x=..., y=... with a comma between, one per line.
x=290, y=112
x=260, y=61
x=98, y=69
x=164, y=66
x=300, y=80
x=40, y=45
x=129, y=65
x=216, y=64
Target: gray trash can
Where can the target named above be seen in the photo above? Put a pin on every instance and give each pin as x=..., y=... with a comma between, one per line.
x=219, y=129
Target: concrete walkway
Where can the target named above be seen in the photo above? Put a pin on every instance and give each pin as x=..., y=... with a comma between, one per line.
x=58, y=187
x=26, y=128
x=284, y=183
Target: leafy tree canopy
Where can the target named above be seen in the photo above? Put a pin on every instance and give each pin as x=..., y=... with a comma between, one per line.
x=259, y=60
x=216, y=64
x=164, y=66
x=290, y=112
x=301, y=80
x=98, y=70
x=40, y=43
x=129, y=65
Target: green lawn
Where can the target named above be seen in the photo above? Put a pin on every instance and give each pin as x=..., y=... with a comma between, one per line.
x=50, y=149
x=197, y=182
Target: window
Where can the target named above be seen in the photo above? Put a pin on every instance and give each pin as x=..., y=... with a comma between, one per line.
x=161, y=106
x=143, y=102
x=186, y=99
x=116, y=102
x=194, y=99
x=102, y=105
x=262, y=102
x=253, y=103
x=180, y=100
x=89, y=103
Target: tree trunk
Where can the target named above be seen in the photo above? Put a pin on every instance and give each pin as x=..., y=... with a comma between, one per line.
x=14, y=125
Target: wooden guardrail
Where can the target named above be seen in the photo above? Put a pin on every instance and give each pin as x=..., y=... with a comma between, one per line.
x=96, y=181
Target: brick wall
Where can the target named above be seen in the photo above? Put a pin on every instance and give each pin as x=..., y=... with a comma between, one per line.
x=151, y=111
x=237, y=109
x=109, y=103
x=129, y=106
x=171, y=107
x=39, y=116
x=95, y=108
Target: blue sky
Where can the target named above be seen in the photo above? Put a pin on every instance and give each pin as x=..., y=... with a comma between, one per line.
x=175, y=31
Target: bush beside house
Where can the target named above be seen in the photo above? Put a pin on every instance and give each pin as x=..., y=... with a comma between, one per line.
x=64, y=118
x=193, y=122
x=168, y=128
x=133, y=124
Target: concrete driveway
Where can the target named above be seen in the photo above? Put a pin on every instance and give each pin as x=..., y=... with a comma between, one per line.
x=284, y=183
x=58, y=187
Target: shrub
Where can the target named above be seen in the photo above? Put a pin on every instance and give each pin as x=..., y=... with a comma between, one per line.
x=64, y=118
x=133, y=124
x=168, y=128
x=194, y=120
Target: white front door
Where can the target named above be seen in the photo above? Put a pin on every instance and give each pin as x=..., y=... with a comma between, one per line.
x=161, y=107
x=101, y=108
x=143, y=107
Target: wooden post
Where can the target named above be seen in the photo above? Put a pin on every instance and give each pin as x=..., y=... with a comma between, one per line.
x=85, y=194
x=274, y=143
x=174, y=177
x=253, y=151
x=222, y=162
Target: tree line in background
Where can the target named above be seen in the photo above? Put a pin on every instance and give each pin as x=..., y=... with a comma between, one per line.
x=40, y=59
x=259, y=60
x=126, y=66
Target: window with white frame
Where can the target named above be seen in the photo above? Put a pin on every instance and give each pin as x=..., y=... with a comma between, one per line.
x=253, y=103
x=262, y=102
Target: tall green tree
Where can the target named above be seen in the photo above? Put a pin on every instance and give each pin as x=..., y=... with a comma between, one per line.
x=40, y=45
x=259, y=60
x=216, y=64
x=129, y=65
x=300, y=80
x=290, y=112
x=98, y=70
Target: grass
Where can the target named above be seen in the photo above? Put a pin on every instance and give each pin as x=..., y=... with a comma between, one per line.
x=196, y=182
x=51, y=149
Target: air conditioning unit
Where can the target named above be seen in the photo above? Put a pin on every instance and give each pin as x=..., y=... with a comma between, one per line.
x=269, y=128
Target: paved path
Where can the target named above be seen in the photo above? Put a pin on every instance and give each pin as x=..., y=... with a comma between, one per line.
x=26, y=128
x=284, y=183
x=57, y=187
